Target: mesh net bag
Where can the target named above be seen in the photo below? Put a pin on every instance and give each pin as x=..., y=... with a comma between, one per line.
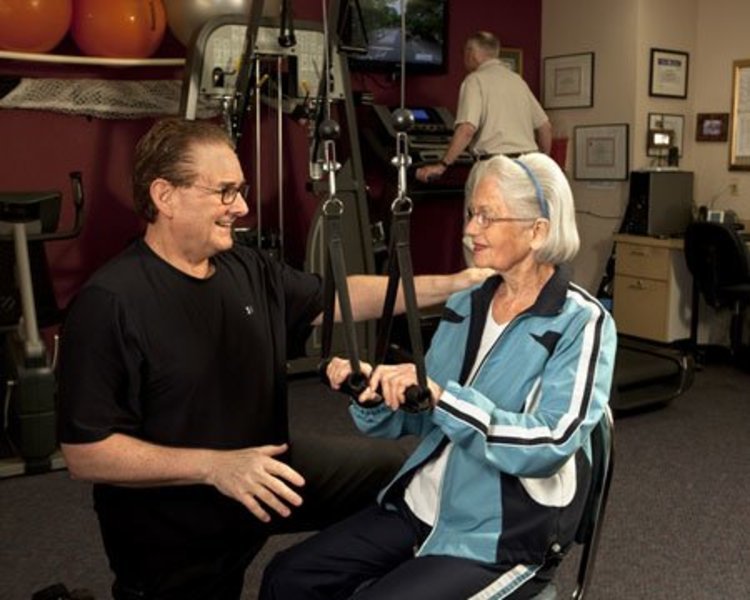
x=104, y=98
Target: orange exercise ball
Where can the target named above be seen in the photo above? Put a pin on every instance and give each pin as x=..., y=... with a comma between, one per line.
x=118, y=28
x=33, y=25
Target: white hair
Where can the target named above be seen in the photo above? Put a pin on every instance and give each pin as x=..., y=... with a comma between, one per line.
x=519, y=190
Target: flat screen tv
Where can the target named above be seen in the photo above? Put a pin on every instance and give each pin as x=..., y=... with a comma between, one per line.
x=374, y=26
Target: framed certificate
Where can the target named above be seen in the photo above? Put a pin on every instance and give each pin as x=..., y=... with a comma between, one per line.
x=668, y=77
x=569, y=81
x=601, y=152
x=739, y=133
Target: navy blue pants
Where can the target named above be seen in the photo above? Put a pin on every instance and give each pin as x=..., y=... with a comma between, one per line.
x=371, y=556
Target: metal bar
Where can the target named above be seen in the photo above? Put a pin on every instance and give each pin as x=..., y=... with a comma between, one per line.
x=32, y=343
x=258, y=187
x=280, y=153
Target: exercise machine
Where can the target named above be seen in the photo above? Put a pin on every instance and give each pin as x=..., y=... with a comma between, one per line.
x=439, y=202
x=241, y=63
x=27, y=220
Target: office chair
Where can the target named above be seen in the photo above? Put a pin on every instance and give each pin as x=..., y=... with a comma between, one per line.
x=589, y=529
x=719, y=262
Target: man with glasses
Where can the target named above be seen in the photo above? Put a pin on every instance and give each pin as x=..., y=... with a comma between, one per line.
x=173, y=384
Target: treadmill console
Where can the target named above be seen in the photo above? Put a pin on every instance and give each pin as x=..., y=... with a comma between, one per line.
x=431, y=134
x=431, y=124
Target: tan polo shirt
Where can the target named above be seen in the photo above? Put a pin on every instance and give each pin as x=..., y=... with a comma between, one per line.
x=501, y=106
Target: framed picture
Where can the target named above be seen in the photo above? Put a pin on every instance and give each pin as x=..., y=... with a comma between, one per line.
x=739, y=133
x=659, y=139
x=711, y=127
x=601, y=152
x=569, y=81
x=665, y=122
x=513, y=59
x=668, y=77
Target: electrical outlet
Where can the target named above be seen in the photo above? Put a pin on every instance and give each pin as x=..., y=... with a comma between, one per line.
x=734, y=188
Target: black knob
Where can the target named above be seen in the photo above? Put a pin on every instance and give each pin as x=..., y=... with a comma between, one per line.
x=418, y=399
x=287, y=40
x=329, y=129
x=403, y=119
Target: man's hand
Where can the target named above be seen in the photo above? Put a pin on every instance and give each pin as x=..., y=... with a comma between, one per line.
x=471, y=276
x=429, y=172
x=255, y=478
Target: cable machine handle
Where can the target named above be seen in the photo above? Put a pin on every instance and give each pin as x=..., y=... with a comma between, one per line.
x=417, y=399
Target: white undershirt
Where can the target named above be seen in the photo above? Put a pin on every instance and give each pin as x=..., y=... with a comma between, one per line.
x=422, y=493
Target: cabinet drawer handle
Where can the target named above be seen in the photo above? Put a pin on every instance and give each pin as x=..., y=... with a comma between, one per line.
x=637, y=253
x=638, y=285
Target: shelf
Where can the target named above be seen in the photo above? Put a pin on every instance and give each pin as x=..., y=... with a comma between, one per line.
x=65, y=59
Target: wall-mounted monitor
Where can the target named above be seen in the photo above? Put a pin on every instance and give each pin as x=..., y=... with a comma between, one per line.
x=375, y=27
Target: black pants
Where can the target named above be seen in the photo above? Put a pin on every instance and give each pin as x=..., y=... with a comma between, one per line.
x=342, y=476
x=370, y=556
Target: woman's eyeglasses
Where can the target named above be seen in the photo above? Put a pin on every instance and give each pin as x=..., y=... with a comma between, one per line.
x=484, y=220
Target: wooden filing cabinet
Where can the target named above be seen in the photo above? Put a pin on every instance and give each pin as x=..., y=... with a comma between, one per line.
x=652, y=289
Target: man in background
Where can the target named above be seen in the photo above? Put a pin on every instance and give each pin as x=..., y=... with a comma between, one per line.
x=497, y=113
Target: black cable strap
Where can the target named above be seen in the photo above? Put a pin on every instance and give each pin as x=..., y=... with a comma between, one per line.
x=400, y=270
x=335, y=280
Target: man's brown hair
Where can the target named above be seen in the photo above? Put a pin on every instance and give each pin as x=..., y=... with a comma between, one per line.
x=166, y=152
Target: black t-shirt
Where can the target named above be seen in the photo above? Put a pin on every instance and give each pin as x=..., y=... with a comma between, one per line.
x=151, y=352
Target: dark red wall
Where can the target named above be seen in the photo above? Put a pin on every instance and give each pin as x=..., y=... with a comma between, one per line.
x=38, y=149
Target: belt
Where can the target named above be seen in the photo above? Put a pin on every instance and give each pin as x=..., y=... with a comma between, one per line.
x=508, y=154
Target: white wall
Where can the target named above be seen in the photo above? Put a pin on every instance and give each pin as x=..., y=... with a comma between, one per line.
x=607, y=28
x=721, y=39
x=621, y=33
x=671, y=25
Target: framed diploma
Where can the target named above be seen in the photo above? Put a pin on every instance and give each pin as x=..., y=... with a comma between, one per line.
x=739, y=132
x=601, y=152
x=669, y=73
x=569, y=81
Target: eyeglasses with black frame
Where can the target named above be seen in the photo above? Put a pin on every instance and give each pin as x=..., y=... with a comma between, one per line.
x=484, y=220
x=227, y=192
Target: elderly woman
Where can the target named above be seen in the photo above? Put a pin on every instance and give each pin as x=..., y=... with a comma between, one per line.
x=520, y=371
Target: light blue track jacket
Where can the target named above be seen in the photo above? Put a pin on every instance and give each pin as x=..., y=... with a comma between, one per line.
x=518, y=471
